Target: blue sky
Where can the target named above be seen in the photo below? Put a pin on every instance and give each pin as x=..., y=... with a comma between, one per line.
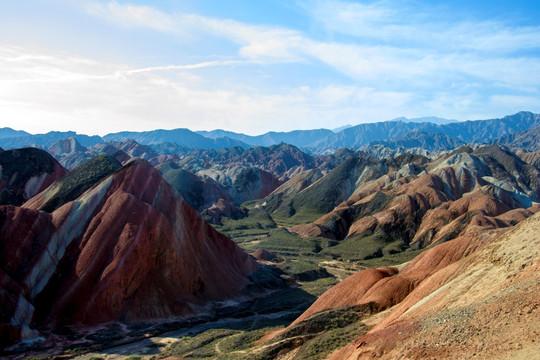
x=254, y=66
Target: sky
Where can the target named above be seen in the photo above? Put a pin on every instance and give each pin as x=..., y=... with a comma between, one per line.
x=248, y=66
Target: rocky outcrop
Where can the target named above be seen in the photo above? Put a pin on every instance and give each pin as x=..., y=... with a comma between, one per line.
x=218, y=191
x=242, y=183
x=290, y=188
x=264, y=255
x=26, y=172
x=65, y=147
x=282, y=160
x=127, y=249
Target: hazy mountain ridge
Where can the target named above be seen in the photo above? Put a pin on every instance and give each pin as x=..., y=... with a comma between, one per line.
x=298, y=138
x=419, y=139
x=426, y=119
x=468, y=131
x=183, y=137
x=316, y=141
x=527, y=139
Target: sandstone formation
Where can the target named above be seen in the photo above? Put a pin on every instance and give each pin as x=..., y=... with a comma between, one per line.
x=422, y=202
x=127, y=249
x=282, y=160
x=478, y=297
x=218, y=191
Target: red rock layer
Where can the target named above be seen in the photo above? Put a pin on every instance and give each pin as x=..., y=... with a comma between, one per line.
x=483, y=305
x=127, y=249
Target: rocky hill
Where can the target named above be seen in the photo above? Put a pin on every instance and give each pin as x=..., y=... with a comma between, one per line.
x=127, y=249
x=476, y=295
x=416, y=203
x=282, y=160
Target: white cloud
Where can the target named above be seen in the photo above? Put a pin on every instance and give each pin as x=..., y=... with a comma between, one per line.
x=397, y=23
x=133, y=16
x=255, y=41
x=59, y=91
x=419, y=49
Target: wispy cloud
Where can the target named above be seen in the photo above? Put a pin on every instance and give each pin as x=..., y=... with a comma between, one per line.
x=202, y=65
x=89, y=96
x=399, y=24
x=395, y=45
x=133, y=16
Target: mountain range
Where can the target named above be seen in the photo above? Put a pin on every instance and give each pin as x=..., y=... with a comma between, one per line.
x=314, y=141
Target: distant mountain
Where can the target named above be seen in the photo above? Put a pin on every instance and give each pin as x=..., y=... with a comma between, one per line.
x=183, y=137
x=468, y=131
x=218, y=133
x=427, y=119
x=66, y=147
x=423, y=140
x=22, y=139
x=9, y=132
x=356, y=136
x=297, y=137
x=320, y=141
x=480, y=130
x=338, y=129
x=529, y=139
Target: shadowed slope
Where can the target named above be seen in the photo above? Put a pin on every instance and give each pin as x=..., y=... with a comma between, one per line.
x=26, y=172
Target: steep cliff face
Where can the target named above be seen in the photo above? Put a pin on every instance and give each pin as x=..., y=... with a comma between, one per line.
x=26, y=172
x=127, y=249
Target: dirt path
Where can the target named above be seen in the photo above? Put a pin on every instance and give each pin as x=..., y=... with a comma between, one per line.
x=155, y=345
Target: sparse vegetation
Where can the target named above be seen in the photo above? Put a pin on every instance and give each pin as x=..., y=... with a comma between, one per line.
x=133, y=357
x=304, y=270
x=79, y=180
x=322, y=346
x=200, y=346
